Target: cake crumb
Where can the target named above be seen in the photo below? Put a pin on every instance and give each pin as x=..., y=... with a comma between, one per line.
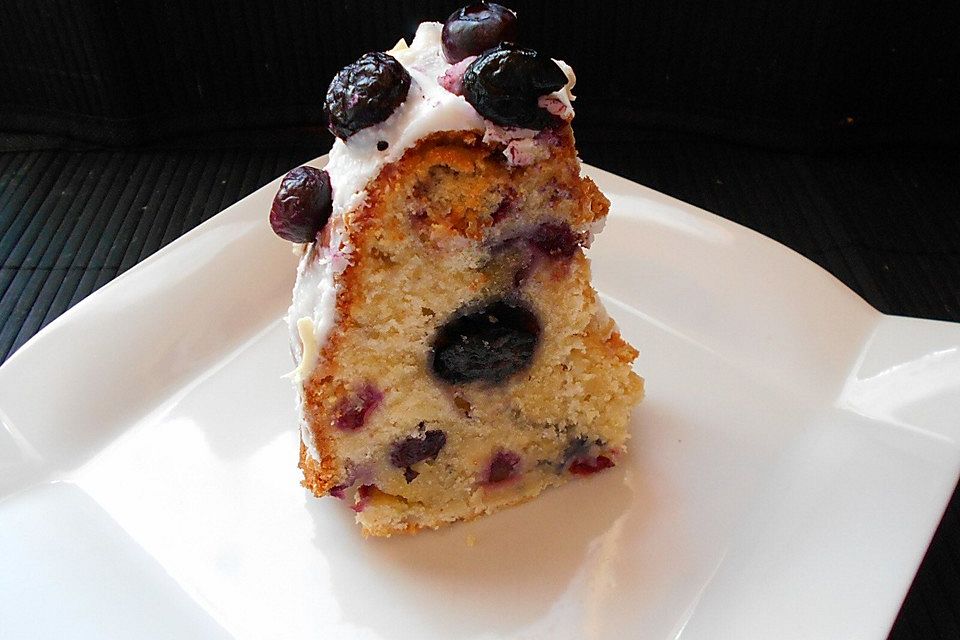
x=471, y=540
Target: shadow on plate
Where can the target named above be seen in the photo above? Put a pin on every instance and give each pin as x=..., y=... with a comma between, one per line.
x=524, y=562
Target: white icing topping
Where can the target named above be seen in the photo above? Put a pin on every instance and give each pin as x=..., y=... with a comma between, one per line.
x=314, y=306
x=306, y=436
x=429, y=108
x=525, y=151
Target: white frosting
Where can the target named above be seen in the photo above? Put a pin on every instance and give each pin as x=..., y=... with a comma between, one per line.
x=428, y=108
x=312, y=313
x=306, y=436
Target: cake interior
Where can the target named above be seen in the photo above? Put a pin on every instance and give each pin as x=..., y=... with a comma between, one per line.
x=453, y=234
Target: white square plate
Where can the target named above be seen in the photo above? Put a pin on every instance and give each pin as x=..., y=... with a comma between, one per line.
x=788, y=467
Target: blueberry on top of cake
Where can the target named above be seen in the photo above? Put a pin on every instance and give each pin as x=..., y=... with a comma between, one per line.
x=451, y=355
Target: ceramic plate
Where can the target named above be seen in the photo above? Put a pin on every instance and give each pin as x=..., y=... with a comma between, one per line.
x=788, y=467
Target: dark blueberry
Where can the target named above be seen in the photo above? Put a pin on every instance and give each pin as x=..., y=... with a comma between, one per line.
x=364, y=493
x=352, y=411
x=506, y=208
x=503, y=466
x=489, y=344
x=524, y=268
x=410, y=475
x=475, y=28
x=578, y=448
x=505, y=84
x=556, y=239
x=586, y=467
x=411, y=450
x=382, y=145
x=302, y=205
x=365, y=93
x=355, y=473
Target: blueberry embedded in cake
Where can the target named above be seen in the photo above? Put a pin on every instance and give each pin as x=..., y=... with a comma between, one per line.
x=452, y=356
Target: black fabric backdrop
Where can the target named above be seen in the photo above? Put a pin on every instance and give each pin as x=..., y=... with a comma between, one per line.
x=791, y=74
x=829, y=126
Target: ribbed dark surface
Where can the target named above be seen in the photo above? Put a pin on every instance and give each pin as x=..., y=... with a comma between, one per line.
x=789, y=73
x=72, y=221
x=886, y=224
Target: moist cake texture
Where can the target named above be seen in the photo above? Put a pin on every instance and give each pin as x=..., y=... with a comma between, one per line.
x=452, y=356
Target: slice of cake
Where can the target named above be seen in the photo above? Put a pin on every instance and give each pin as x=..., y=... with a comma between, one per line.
x=452, y=357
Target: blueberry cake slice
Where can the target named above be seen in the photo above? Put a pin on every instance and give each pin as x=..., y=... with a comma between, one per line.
x=452, y=356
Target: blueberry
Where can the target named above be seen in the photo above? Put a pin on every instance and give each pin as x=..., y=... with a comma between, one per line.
x=556, y=239
x=302, y=205
x=507, y=206
x=352, y=412
x=414, y=449
x=365, y=93
x=505, y=84
x=489, y=344
x=475, y=28
x=588, y=467
x=577, y=449
x=503, y=466
x=364, y=494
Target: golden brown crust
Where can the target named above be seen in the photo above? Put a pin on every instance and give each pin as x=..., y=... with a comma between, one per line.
x=386, y=529
x=319, y=476
x=595, y=201
x=478, y=165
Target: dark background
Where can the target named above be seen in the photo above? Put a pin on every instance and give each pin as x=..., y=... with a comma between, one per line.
x=810, y=76
x=833, y=127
